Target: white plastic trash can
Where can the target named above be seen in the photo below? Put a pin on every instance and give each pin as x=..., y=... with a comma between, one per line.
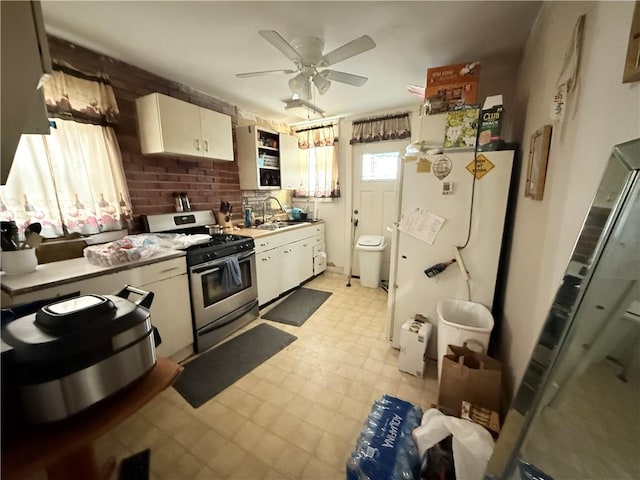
x=370, y=249
x=460, y=321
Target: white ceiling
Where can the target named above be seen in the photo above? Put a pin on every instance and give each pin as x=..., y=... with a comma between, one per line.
x=204, y=44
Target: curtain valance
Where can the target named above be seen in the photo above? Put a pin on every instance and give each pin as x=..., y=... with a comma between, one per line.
x=80, y=96
x=378, y=129
x=322, y=136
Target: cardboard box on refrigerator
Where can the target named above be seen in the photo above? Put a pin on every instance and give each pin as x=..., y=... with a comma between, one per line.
x=452, y=86
x=414, y=337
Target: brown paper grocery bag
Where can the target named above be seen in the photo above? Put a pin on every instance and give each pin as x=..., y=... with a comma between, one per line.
x=470, y=376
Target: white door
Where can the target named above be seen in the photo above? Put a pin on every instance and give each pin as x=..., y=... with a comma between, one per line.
x=376, y=167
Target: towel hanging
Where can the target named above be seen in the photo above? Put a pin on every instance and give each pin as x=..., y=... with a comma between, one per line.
x=231, y=275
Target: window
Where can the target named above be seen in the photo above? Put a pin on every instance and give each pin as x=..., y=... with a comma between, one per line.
x=72, y=177
x=71, y=181
x=379, y=166
x=318, y=163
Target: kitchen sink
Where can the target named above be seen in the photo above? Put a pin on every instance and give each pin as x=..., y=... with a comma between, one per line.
x=277, y=225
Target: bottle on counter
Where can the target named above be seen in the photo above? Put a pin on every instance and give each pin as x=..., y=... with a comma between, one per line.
x=186, y=204
x=179, y=203
x=125, y=214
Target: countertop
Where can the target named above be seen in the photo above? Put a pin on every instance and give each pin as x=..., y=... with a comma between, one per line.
x=67, y=271
x=259, y=233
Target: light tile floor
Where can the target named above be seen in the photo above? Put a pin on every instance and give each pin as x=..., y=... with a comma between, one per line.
x=297, y=415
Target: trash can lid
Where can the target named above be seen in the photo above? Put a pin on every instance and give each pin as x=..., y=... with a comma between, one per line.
x=370, y=240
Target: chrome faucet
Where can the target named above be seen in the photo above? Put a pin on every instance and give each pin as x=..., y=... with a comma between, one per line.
x=264, y=207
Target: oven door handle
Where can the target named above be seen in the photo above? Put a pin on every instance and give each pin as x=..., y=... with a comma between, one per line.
x=197, y=269
x=246, y=255
x=205, y=269
x=231, y=319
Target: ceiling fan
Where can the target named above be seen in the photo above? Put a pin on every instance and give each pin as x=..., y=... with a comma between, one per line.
x=306, y=54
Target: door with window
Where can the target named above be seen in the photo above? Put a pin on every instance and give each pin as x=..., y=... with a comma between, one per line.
x=375, y=173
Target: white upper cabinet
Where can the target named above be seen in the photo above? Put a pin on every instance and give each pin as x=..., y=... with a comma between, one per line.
x=289, y=169
x=24, y=60
x=172, y=127
x=265, y=157
x=175, y=126
x=217, y=139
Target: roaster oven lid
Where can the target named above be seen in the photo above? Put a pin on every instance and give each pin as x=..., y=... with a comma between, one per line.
x=71, y=334
x=74, y=314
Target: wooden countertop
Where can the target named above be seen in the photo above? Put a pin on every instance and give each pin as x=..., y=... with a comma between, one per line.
x=260, y=233
x=32, y=447
x=67, y=271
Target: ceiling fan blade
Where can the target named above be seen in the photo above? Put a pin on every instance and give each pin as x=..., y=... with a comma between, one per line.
x=348, y=78
x=264, y=72
x=275, y=39
x=348, y=50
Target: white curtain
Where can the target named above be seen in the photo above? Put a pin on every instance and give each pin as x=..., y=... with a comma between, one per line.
x=74, y=175
x=318, y=163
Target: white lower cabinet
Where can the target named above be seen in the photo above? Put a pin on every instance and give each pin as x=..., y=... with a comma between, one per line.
x=293, y=260
x=305, y=267
x=269, y=274
x=171, y=315
x=319, y=264
x=285, y=260
x=319, y=253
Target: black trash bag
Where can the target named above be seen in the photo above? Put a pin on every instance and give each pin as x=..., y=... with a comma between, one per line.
x=437, y=462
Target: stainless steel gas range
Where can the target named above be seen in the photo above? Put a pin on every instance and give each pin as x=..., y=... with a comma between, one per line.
x=222, y=276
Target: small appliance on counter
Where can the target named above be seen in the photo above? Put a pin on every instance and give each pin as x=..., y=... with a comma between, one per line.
x=73, y=353
x=183, y=204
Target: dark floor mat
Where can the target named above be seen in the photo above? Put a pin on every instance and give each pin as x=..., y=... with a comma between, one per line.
x=297, y=307
x=213, y=371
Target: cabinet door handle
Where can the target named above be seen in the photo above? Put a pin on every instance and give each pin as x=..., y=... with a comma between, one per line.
x=197, y=144
x=168, y=270
x=206, y=145
x=265, y=259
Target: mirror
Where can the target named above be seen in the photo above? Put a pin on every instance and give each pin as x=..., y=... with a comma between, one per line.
x=577, y=411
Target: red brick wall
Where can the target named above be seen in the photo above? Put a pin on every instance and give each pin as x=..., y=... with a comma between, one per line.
x=153, y=180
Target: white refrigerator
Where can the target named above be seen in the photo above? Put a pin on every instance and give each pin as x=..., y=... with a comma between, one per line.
x=473, y=214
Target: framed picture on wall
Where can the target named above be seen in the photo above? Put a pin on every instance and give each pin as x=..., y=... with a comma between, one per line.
x=537, y=165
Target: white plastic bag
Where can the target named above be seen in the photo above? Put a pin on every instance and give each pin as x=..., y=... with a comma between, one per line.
x=472, y=445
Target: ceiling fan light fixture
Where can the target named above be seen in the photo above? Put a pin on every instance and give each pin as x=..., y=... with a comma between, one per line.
x=303, y=109
x=300, y=85
x=321, y=83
